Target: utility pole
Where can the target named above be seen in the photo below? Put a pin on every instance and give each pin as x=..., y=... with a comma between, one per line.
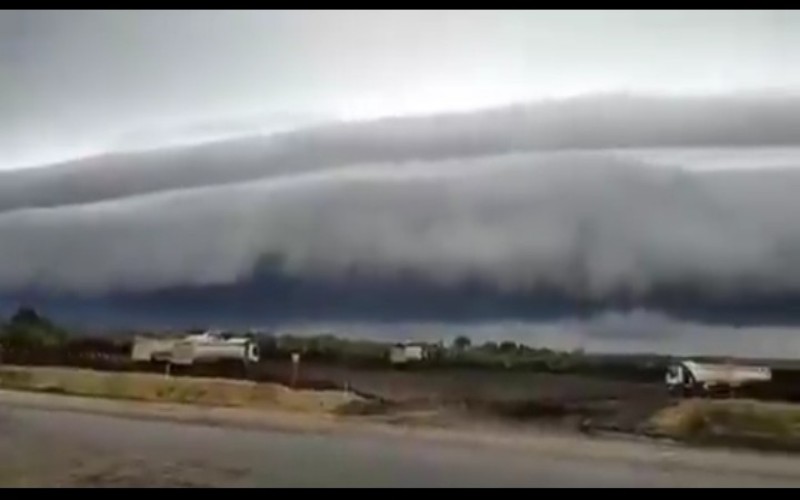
x=295, y=368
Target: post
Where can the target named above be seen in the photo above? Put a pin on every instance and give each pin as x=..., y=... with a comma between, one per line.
x=295, y=368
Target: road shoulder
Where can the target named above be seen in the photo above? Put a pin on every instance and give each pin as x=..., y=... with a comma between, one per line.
x=657, y=454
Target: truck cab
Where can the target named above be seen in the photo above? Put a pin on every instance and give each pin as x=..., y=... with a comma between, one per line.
x=679, y=379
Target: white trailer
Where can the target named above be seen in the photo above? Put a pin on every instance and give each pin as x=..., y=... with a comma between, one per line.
x=147, y=350
x=207, y=347
x=210, y=347
x=691, y=377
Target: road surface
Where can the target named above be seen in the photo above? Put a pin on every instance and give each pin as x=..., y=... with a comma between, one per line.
x=58, y=447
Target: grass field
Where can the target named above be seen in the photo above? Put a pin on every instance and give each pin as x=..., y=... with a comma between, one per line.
x=161, y=388
x=754, y=423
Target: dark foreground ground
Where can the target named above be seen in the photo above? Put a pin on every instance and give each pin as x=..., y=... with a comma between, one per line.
x=556, y=400
x=48, y=444
x=562, y=400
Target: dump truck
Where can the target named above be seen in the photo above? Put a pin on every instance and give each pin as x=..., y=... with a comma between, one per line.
x=689, y=377
x=207, y=347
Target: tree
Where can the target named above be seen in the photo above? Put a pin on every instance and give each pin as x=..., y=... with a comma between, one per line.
x=462, y=343
x=507, y=346
x=27, y=329
x=489, y=347
x=28, y=316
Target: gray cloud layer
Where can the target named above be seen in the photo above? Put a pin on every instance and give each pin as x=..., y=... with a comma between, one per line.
x=581, y=123
x=588, y=223
x=73, y=81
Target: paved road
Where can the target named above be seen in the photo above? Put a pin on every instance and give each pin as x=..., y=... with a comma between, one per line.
x=45, y=447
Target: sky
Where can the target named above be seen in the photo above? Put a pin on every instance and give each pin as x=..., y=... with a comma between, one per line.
x=74, y=83
x=413, y=161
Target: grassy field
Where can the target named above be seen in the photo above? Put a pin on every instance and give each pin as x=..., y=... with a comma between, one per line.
x=160, y=388
x=737, y=422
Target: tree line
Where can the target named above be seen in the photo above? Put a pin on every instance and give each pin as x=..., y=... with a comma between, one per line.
x=35, y=336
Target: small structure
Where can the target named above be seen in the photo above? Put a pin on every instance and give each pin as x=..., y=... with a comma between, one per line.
x=406, y=352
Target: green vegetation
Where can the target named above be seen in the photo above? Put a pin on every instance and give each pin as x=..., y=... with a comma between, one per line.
x=30, y=338
x=324, y=348
x=462, y=343
x=462, y=353
x=28, y=330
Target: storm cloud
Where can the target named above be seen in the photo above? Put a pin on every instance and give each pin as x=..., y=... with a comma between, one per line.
x=592, y=122
x=587, y=224
x=610, y=180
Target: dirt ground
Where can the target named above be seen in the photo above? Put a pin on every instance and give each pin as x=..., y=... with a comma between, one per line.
x=445, y=399
x=56, y=440
x=455, y=385
x=561, y=400
x=557, y=400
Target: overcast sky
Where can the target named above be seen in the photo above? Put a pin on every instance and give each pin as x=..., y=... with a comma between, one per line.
x=79, y=82
x=643, y=182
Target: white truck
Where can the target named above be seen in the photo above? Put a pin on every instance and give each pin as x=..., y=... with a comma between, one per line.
x=208, y=347
x=211, y=347
x=692, y=378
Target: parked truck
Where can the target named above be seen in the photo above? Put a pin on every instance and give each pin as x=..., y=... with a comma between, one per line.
x=690, y=378
x=210, y=347
x=207, y=347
